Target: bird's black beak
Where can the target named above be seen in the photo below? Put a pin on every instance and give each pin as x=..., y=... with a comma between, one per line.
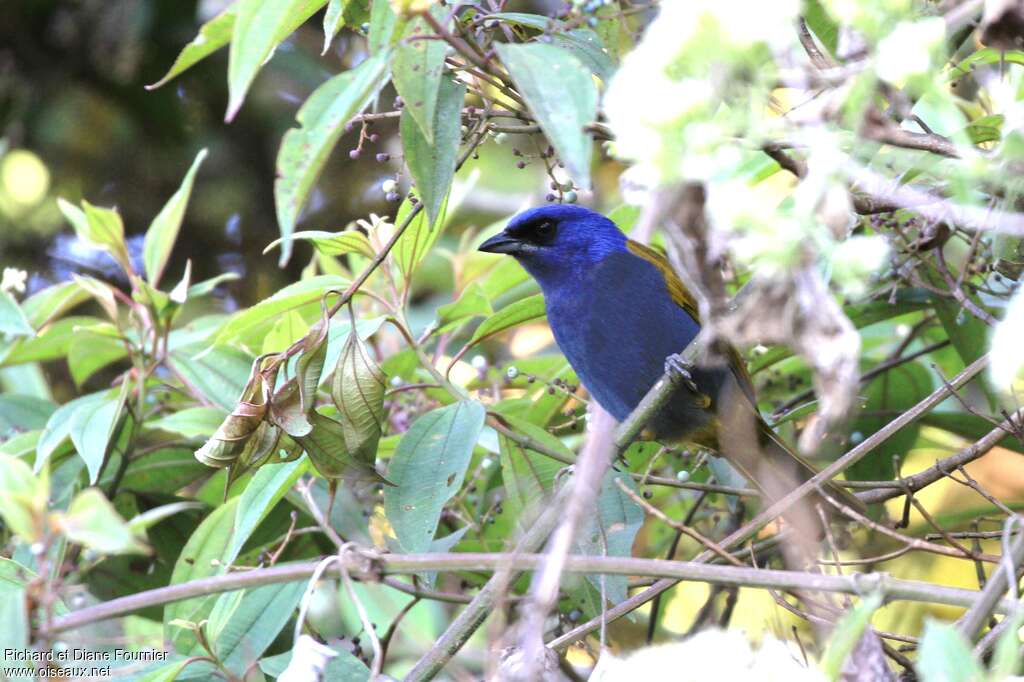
x=502, y=243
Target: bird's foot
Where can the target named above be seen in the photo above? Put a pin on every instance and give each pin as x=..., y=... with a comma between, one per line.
x=681, y=371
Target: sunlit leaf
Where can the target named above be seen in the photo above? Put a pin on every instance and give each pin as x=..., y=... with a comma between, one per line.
x=428, y=468
x=847, y=632
x=332, y=243
x=945, y=656
x=259, y=26
x=528, y=476
x=23, y=498
x=93, y=426
x=163, y=231
x=524, y=310
x=304, y=150
x=13, y=321
x=91, y=521
x=561, y=95
x=472, y=302
x=253, y=323
x=218, y=374
x=213, y=35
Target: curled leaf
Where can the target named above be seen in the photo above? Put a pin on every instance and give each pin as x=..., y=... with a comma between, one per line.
x=286, y=410
x=234, y=433
x=358, y=393
x=326, y=448
x=311, y=362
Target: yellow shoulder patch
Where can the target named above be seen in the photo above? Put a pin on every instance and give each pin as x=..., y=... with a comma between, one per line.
x=676, y=289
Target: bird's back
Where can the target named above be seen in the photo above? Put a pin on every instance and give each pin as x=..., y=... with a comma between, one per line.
x=617, y=327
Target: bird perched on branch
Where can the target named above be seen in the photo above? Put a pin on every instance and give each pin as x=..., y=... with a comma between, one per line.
x=621, y=316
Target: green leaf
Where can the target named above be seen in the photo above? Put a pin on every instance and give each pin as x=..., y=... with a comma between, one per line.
x=416, y=68
x=163, y=231
x=23, y=498
x=23, y=412
x=91, y=521
x=417, y=240
x=255, y=623
x=822, y=24
x=253, y=323
x=218, y=374
x=58, y=426
x=329, y=452
x=99, y=227
x=945, y=656
x=192, y=422
x=213, y=35
x=528, y=476
x=267, y=487
x=48, y=304
x=304, y=150
x=258, y=28
x=847, y=633
x=90, y=352
x=611, y=532
x=333, y=20
x=893, y=392
x=1006, y=656
x=310, y=364
x=432, y=164
x=472, y=302
x=201, y=557
x=524, y=310
x=357, y=390
x=428, y=468
x=587, y=47
x=332, y=243
x=13, y=321
x=14, y=636
x=92, y=428
x=385, y=27
x=561, y=95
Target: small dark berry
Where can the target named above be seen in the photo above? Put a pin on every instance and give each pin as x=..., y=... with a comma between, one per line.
x=349, y=126
x=354, y=154
x=516, y=152
x=374, y=137
x=392, y=196
x=383, y=156
x=549, y=197
x=520, y=165
x=399, y=103
x=648, y=494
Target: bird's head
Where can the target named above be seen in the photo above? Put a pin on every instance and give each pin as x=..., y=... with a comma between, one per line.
x=557, y=243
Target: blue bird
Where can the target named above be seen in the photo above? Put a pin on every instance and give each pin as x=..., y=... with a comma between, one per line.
x=620, y=315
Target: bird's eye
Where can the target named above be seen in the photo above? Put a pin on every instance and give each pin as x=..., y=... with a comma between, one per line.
x=544, y=230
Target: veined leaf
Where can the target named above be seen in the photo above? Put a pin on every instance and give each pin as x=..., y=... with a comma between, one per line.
x=267, y=487
x=329, y=452
x=612, y=530
x=13, y=321
x=428, y=468
x=48, y=304
x=562, y=97
x=304, y=150
x=472, y=302
x=528, y=476
x=385, y=27
x=258, y=619
x=99, y=227
x=358, y=393
x=259, y=26
x=218, y=373
x=93, y=427
x=332, y=243
x=416, y=69
x=163, y=231
x=524, y=310
x=202, y=556
x=432, y=164
x=236, y=432
x=253, y=323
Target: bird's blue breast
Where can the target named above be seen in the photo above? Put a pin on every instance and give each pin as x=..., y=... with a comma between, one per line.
x=616, y=324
